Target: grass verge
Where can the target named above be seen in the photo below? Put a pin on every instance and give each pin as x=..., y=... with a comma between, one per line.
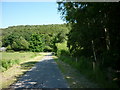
x=74, y=78
x=16, y=71
x=85, y=67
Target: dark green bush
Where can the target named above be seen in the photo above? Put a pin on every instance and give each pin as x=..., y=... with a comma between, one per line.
x=47, y=49
x=37, y=43
x=6, y=64
x=10, y=51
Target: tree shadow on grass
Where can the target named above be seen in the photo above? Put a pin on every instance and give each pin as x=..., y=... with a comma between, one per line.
x=28, y=65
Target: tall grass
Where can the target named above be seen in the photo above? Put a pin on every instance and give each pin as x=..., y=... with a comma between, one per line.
x=84, y=65
x=17, y=55
x=6, y=64
x=9, y=59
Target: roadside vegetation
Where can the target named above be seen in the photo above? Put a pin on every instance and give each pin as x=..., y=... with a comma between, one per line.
x=11, y=58
x=83, y=66
x=93, y=41
x=74, y=78
x=17, y=63
x=23, y=45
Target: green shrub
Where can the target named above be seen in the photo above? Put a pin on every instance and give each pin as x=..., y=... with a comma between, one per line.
x=2, y=69
x=6, y=64
x=20, y=44
x=9, y=47
x=47, y=49
x=37, y=43
x=10, y=51
x=62, y=49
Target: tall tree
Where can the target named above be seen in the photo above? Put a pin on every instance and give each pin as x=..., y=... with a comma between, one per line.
x=93, y=22
x=37, y=43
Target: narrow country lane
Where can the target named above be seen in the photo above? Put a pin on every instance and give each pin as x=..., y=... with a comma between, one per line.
x=45, y=74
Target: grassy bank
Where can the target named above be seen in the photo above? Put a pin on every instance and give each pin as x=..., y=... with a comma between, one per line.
x=74, y=78
x=84, y=66
x=26, y=61
x=9, y=59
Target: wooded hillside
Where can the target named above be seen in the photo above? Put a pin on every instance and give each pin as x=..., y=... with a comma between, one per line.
x=26, y=37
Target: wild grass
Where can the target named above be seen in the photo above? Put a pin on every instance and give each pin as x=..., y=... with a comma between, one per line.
x=6, y=64
x=9, y=59
x=84, y=66
x=17, y=55
x=12, y=74
x=74, y=78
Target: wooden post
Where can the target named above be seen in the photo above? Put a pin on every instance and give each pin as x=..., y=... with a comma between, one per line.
x=107, y=39
x=95, y=59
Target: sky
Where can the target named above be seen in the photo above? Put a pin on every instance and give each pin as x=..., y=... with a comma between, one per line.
x=29, y=13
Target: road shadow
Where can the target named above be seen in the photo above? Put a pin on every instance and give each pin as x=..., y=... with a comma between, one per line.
x=28, y=65
x=44, y=74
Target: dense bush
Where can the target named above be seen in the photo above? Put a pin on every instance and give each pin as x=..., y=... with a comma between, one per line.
x=37, y=43
x=48, y=49
x=6, y=64
x=20, y=44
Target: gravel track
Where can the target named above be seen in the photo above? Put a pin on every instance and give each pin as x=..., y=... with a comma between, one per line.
x=45, y=74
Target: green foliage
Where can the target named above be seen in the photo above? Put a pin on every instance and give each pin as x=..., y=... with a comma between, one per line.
x=15, y=46
x=48, y=49
x=91, y=22
x=84, y=65
x=9, y=47
x=9, y=39
x=20, y=44
x=15, y=42
x=6, y=64
x=23, y=44
x=94, y=34
x=62, y=49
x=0, y=44
x=37, y=43
x=9, y=59
x=59, y=38
x=52, y=34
